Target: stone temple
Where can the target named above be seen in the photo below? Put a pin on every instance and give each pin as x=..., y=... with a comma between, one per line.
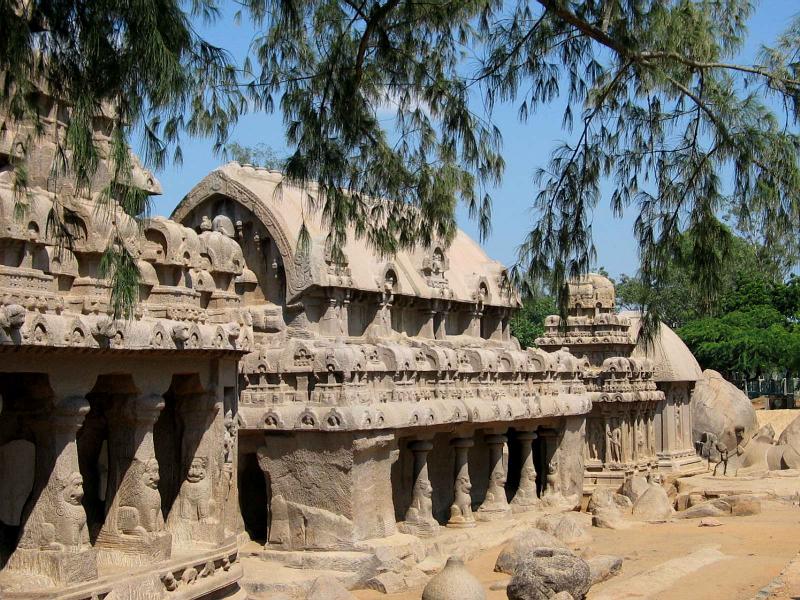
x=322, y=408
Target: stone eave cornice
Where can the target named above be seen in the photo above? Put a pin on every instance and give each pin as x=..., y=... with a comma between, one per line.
x=21, y=328
x=400, y=415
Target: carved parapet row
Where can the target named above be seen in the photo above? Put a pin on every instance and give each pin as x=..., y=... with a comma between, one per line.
x=342, y=374
x=184, y=273
x=319, y=356
x=626, y=397
x=21, y=327
x=426, y=413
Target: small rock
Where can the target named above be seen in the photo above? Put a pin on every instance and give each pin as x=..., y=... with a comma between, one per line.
x=604, y=567
x=709, y=508
x=604, y=498
x=653, y=505
x=430, y=565
x=454, y=583
x=522, y=545
x=328, y=588
x=570, y=528
x=386, y=583
x=634, y=487
x=609, y=519
x=709, y=522
x=744, y=504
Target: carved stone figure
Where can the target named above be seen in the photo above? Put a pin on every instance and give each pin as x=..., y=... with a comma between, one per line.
x=526, y=497
x=419, y=516
x=66, y=529
x=495, y=503
x=196, y=502
x=139, y=500
x=614, y=440
x=461, y=509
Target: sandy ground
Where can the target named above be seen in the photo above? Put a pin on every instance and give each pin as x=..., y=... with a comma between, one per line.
x=779, y=419
x=738, y=559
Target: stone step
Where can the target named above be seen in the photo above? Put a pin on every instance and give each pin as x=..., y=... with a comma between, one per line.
x=362, y=563
x=264, y=579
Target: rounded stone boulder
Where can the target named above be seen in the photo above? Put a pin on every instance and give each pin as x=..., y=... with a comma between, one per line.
x=719, y=407
x=523, y=545
x=633, y=487
x=546, y=572
x=454, y=583
x=791, y=436
x=604, y=498
x=571, y=528
x=653, y=505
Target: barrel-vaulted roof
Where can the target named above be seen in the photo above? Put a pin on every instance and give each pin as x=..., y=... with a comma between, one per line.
x=461, y=272
x=672, y=358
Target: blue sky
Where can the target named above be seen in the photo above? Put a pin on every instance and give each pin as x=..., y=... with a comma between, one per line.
x=526, y=146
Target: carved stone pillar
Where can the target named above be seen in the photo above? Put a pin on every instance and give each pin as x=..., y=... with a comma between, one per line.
x=526, y=497
x=551, y=494
x=440, y=320
x=495, y=505
x=54, y=540
x=196, y=514
x=475, y=320
x=419, y=516
x=344, y=313
x=331, y=324
x=608, y=428
x=461, y=510
x=133, y=532
x=428, y=330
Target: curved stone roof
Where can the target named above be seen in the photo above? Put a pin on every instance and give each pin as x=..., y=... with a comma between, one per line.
x=464, y=270
x=673, y=359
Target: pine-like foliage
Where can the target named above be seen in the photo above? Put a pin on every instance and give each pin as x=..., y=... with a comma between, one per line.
x=682, y=133
x=142, y=63
x=377, y=114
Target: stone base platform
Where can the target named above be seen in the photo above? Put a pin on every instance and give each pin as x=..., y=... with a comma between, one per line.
x=391, y=564
x=213, y=573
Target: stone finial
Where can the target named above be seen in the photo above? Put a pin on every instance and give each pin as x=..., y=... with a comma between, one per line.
x=454, y=583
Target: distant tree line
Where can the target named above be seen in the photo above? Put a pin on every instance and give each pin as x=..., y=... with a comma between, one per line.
x=749, y=329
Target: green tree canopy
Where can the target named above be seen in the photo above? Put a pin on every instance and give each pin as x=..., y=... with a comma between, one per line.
x=528, y=323
x=756, y=333
x=682, y=297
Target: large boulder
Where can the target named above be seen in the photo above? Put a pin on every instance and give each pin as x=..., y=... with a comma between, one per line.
x=653, y=505
x=546, y=572
x=523, y=545
x=719, y=407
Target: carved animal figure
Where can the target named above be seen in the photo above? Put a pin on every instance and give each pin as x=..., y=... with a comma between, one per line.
x=196, y=503
x=461, y=510
x=421, y=505
x=65, y=528
x=140, y=501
